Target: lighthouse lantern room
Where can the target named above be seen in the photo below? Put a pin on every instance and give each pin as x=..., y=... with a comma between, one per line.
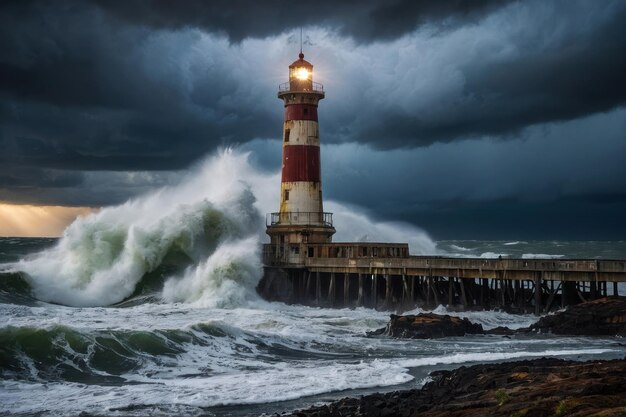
x=301, y=220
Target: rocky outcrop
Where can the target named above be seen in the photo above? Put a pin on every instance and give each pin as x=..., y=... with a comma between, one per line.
x=540, y=387
x=428, y=326
x=603, y=317
x=505, y=331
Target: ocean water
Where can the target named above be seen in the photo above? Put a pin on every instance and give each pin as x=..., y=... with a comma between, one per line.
x=534, y=249
x=149, y=308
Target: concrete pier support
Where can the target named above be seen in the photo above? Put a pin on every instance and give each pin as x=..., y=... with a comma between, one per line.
x=307, y=285
x=538, y=277
x=405, y=291
x=463, y=293
x=387, y=291
x=346, y=289
x=331, y=289
x=484, y=293
x=318, y=288
x=360, y=299
x=375, y=290
x=593, y=290
x=552, y=296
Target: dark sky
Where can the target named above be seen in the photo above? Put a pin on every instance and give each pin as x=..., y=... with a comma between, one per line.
x=470, y=118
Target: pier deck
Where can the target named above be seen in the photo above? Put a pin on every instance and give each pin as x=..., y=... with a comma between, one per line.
x=385, y=276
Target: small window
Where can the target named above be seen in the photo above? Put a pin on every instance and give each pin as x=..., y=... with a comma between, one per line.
x=286, y=195
x=311, y=252
x=305, y=111
x=287, y=135
x=295, y=250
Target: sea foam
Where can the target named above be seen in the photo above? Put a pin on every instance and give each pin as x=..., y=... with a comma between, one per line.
x=540, y=256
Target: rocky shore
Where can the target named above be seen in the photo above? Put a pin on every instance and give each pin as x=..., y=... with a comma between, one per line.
x=532, y=388
x=602, y=317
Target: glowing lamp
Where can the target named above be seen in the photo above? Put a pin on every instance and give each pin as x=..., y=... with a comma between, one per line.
x=301, y=75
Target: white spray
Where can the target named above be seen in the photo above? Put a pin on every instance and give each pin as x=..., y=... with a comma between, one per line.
x=213, y=217
x=100, y=258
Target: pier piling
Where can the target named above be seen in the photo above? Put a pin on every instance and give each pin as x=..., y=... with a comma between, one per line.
x=536, y=285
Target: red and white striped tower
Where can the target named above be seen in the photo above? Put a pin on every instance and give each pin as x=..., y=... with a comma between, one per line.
x=301, y=218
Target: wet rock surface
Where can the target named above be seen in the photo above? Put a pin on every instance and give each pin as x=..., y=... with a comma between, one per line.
x=540, y=387
x=428, y=326
x=602, y=317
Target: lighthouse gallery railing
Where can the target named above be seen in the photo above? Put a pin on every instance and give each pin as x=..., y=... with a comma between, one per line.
x=315, y=87
x=299, y=218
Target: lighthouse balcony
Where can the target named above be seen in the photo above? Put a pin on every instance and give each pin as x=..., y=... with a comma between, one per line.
x=301, y=87
x=299, y=218
x=337, y=256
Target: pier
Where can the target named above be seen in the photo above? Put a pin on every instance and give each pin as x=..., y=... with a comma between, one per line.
x=385, y=276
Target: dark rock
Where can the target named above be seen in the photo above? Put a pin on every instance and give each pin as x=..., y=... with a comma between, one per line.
x=603, y=317
x=429, y=326
x=539, y=387
x=377, y=332
x=501, y=331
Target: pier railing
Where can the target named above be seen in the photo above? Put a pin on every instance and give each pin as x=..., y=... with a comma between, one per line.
x=438, y=262
x=367, y=257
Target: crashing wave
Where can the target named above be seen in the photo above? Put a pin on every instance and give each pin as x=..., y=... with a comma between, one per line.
x=102, y=257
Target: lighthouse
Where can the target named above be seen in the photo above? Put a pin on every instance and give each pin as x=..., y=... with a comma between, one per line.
x=302, y=264
x=301, y=219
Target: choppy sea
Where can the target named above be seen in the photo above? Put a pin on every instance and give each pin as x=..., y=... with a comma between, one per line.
x=149, y=308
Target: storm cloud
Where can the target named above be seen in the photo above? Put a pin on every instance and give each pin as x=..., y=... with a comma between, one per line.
x=363, y=20
x=100, y=100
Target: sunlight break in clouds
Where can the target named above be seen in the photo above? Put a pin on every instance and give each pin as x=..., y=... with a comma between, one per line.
x=37, y=221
